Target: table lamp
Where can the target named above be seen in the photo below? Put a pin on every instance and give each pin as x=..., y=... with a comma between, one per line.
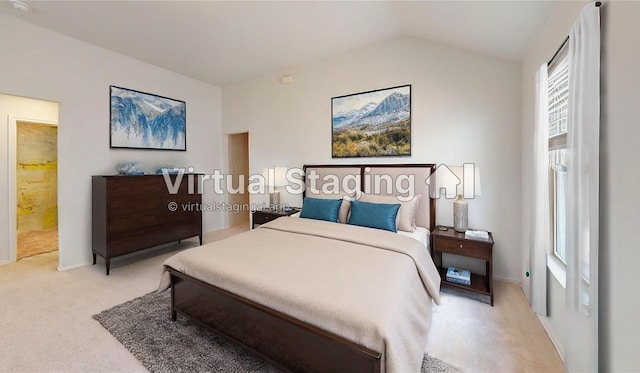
x=275, y=177
x=469, y=188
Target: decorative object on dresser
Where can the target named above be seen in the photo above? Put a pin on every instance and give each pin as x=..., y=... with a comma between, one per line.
x=372, y=124
x=129, y=168
x=452, y=242
x=144, y=121
x=274, y=177
x=131, y=213
x=267, y=214
x=169, y=170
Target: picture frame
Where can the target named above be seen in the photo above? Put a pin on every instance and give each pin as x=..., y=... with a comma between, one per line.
x=140, y=120
x=374, y=123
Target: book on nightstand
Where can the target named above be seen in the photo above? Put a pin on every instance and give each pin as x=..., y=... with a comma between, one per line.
x=476, y=234
x=459, y=276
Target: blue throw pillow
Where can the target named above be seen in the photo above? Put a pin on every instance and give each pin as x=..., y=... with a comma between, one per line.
x=374, y=215
x=321, y=209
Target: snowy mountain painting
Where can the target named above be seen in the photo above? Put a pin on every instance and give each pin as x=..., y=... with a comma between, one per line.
x=372, y=124
x=146, y=121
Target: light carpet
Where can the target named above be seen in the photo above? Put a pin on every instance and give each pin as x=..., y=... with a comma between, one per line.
x=144, y=327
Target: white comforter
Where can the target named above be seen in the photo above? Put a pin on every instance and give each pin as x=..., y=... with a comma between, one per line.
x=370, y=286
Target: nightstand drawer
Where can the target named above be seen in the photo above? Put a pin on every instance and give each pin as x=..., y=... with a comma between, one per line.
x=261, y=218
x=265, y=216
x=470, y=248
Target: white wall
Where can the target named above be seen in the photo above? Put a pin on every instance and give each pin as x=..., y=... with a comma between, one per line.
x=465, y=108
x=23, y=108
x=618, y=309
x=620, y=178
x=41, y=64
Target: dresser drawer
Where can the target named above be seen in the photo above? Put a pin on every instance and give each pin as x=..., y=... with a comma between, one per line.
x=476, y=249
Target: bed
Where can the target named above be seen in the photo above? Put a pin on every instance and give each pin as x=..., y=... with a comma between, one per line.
x=316, y=296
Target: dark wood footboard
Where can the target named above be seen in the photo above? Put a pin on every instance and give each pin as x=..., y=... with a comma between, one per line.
x=287, y=343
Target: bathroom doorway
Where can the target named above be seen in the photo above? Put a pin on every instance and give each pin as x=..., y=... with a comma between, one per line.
x=29, y=182
x=36, y=188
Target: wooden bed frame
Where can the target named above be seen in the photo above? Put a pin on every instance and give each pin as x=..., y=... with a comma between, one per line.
x=287, y=343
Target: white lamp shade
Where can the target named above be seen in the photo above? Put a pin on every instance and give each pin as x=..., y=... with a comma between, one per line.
x=471, y=181
x=450, y=182
x=457, y=170
x=469, y=176
x=275, y=176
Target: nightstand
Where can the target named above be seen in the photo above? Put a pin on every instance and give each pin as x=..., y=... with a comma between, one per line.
x=452, y=242
x=267, y=214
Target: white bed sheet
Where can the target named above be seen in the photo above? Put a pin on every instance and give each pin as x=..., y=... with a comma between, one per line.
x=421, y=234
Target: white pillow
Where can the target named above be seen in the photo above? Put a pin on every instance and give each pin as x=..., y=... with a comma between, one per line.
x=345, y=207
x=406, y=218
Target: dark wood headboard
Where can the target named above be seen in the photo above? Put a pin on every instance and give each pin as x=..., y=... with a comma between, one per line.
x=366, y=174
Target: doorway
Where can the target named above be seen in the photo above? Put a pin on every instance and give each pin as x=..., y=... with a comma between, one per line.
x=36, y=121
x=238, y=147
x=36, y=188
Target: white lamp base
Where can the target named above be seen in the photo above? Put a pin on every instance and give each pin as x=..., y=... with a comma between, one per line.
x=274, y=199
x=460, y=215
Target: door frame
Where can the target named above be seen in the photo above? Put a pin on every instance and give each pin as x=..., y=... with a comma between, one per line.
x=12, y=200
x=234, y=174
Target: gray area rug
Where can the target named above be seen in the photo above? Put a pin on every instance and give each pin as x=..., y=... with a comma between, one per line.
x=144, y=327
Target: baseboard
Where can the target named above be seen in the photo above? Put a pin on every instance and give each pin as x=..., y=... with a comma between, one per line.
x=552, y=336
x=508, y=279
x=142, y=253
x=66, y=268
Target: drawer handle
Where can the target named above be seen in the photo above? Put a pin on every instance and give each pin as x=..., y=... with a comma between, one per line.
x=461, y=246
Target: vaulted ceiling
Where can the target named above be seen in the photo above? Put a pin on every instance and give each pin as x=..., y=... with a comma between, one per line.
x=223, y=42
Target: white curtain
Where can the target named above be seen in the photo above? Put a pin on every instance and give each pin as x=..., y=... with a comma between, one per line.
x=583, y=154
x=540, y=241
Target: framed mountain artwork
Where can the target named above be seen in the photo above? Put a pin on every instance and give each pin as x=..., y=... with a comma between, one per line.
x=144, y=121
x=372, y=124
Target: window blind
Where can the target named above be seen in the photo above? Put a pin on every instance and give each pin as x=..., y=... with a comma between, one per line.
x=558, y=102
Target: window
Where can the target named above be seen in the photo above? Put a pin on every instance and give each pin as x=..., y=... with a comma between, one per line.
x=566, y=220
x=559, y=200
x=558, y=99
